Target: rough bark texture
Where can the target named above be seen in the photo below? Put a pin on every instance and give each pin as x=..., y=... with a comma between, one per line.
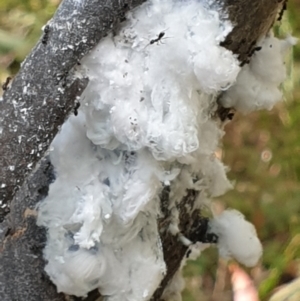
x=21, y=241
x=39, y=99
x=252, y=19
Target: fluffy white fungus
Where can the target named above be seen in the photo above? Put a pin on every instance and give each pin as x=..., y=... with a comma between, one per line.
x=147, y=120
x=257, y=85
x=237, y=237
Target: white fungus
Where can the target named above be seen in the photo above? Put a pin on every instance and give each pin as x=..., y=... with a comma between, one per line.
x=257, y=85
x=237, y=237
x=147, y=120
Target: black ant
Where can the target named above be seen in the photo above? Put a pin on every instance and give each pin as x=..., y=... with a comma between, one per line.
x=76, y=107
x=46, y=35
x=5, y=85
x=159, y=37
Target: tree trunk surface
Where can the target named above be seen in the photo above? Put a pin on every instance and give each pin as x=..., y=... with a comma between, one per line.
x=32, y=110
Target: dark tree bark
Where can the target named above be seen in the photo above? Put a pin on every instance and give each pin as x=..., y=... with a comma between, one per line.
x=43, y=93
x=51, y=92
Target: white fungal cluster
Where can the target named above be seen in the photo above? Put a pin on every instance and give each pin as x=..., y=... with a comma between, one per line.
x=257, y=85
x=147, y=120
x=237, y=237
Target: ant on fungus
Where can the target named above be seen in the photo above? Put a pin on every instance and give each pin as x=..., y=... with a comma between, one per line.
x=159, y=37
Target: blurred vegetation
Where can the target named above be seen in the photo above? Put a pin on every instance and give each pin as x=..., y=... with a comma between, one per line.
x=20, y=27
x=262, y=150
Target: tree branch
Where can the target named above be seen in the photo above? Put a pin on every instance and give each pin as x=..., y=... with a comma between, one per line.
x=42, y=94
x=41, y=80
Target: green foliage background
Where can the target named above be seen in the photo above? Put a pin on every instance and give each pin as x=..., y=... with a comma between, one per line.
x=262, y=150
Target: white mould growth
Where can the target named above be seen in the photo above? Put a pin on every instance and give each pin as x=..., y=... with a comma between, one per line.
x=237, y=237
x=146, y=121
x=257, y=85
